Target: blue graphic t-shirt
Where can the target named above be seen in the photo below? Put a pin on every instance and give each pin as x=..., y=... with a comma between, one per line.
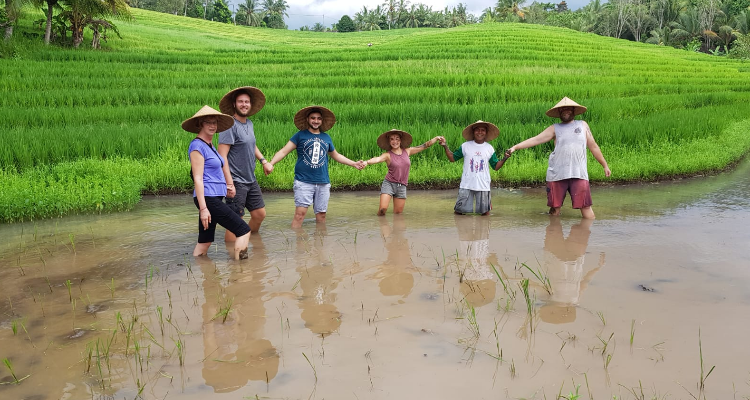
x=312, y=156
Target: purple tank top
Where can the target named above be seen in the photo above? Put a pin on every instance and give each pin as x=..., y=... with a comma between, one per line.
x=398, y=171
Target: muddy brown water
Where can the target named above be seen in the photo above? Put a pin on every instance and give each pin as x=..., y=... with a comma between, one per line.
x=396, y=307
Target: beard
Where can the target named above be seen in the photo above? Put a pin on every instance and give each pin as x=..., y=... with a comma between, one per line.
x=567, y=118
x=241, y=114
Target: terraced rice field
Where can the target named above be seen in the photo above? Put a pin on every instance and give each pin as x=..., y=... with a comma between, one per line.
x=104, y=126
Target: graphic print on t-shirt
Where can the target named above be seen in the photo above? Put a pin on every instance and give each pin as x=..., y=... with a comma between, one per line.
x=314, y=152
x=477, y=163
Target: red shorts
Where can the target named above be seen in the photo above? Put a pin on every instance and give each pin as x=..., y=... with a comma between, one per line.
x=580, y=193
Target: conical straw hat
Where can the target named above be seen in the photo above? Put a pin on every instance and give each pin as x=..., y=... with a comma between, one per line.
x=257, y=100
x=224, y=121
x=554, y=112
x=300, y=119
x=492, y=131
x=384, y=140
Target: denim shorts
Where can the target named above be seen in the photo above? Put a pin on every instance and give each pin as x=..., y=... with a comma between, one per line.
x=467, y=198
x=316, y=194
x=393, y=189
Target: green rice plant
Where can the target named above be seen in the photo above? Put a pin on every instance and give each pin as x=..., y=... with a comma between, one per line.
x=111, y=288
x=541, y=276
x=180, y=347
x=315, y=373
x=471, y=318
x=224, y=309
x=632, y=333
x=9, y=365
x=72, y=238
x=68, y=285
x=529, y=303
x=161, y=319
x=600, y=314
x=704, y=376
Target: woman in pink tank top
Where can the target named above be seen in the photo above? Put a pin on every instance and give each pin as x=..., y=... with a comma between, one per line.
x=396, y=143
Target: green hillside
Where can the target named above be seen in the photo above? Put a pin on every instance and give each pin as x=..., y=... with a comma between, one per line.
x=91, y=130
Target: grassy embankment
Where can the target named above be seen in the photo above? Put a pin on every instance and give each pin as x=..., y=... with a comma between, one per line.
x=92, y=130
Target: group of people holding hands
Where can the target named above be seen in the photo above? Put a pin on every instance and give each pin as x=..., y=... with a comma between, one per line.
x=229, y=170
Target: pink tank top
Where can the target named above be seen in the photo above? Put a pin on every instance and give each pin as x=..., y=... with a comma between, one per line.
x=398, y=171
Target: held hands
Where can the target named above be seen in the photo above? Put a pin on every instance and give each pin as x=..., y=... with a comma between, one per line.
x=360, y=165
x=205, y=217
x=509, y=152
x=441, y=140
x=231, y=191
x=267, y=168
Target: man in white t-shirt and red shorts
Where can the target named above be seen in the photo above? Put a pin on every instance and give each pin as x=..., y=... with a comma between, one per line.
x=568, y=167
x=479, y=156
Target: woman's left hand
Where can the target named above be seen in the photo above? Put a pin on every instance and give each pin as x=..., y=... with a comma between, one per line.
x=231, y=191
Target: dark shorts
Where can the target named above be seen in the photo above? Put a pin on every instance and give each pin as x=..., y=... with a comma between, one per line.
x=248, y=196
x=580, y=193
x=220, y=214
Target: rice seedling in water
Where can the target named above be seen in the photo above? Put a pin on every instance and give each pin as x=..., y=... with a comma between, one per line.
x=601, y=317
x=632, y=333
x=315, y=373
x=224, y=310
x=471, y=317
x=529, y=303
x=161, y=319
x=72, y=238
x=702, y=382
x=180, y=346
x=111, y=287
x=70, y=294
x=9, y=365
x=541, y=276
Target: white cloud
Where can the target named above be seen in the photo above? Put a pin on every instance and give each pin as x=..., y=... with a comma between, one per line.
x=327, y=12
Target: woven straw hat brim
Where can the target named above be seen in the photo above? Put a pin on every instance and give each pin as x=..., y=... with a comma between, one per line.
x=554, y=112
x=384, y=140
x=224, y=121
x=300, y=119
x=257, y=100
x=492, y=131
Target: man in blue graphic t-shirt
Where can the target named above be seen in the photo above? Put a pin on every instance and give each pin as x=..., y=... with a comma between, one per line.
x=312, y=185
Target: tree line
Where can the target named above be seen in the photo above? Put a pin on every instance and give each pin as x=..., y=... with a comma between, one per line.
x=719, y=27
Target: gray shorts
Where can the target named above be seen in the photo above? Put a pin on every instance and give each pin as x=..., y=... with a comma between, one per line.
x=467, y=198
x=306, y=194
x=393, y=189
x=248, y=196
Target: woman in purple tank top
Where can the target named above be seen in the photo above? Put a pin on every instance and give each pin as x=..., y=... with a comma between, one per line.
x=396, y=143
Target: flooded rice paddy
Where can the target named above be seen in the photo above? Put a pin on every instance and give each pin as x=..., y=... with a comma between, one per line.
x=638, y=304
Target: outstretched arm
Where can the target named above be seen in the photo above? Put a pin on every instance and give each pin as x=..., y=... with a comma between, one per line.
x=379, y=159
x=596, y=151
x=544, y=137
x=343, y=160
x=502, y=161
x=289, y=146
x=417, y=149
x=448, y=152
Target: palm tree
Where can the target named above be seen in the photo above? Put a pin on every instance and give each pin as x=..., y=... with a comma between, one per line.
x=724, y=35
x=253, y=14
x=506, y=8
x=318, y=27
x=488, y=15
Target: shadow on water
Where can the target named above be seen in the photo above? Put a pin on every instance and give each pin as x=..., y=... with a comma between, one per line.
x=420, y=305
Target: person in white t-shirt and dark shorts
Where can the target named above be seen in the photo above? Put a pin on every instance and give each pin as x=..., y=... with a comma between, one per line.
x=479, y=156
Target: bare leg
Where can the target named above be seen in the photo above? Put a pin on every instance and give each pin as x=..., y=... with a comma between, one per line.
x=385, y=199
x=201, y=249
x=554, y=210
x=240, y=246
x=320, y=218
x=229, y=237
x=588, y=213
x=299, y=216
x=398, y=205
x=256, y=218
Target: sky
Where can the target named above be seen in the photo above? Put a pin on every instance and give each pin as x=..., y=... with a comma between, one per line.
x=327, y=12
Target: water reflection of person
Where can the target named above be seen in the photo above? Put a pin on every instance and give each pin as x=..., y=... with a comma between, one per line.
x=317, y=283
x=564, y=259
x=236, y=351
x=477, y=286
x=394, y=274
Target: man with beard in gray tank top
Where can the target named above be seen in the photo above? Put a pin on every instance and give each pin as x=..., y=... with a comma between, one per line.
x=567, y=170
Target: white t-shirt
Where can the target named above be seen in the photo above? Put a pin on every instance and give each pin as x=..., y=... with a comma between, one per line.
x=477, y=166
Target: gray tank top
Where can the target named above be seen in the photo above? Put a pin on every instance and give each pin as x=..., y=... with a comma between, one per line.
x=569, y=158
